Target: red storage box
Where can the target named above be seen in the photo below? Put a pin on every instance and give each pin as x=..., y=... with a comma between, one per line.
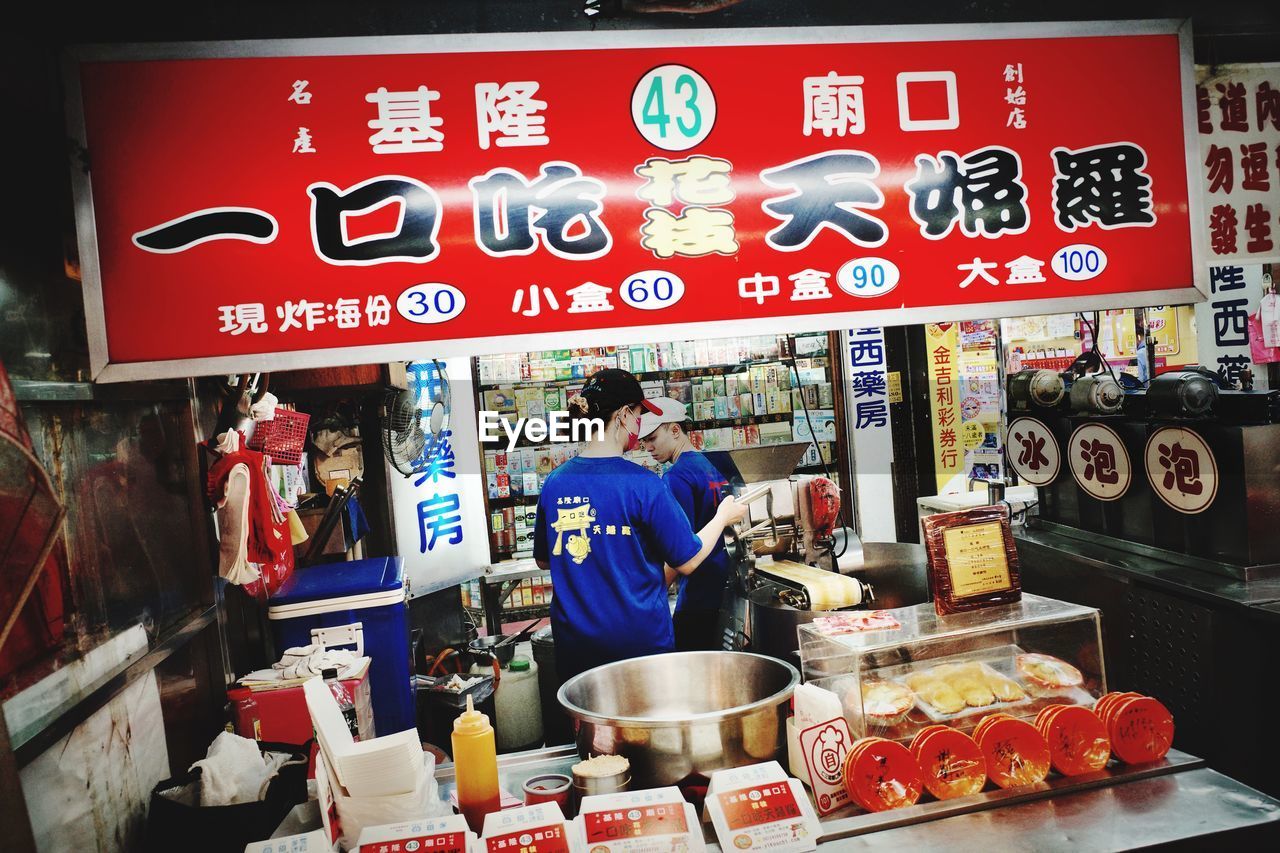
x=282, y=711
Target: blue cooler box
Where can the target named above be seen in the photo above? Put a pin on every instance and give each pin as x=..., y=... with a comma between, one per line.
x=369, y=592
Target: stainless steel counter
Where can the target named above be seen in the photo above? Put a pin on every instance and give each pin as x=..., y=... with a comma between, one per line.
x=1186, y=636
x=1179, y=806
x=1180, y=809
x=1182, y=802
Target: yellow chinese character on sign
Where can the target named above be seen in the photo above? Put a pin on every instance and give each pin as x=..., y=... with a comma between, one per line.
x=694, y=233
x=610, y=529
x=696, y=180
x=626, y=530
x=595, y=529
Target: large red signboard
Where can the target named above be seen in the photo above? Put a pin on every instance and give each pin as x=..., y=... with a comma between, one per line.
x=312, y=203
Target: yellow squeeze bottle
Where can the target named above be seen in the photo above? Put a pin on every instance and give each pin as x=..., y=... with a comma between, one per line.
x=475, y=759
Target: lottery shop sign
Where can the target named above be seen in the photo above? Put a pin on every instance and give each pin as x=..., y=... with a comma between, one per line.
x=308, y=203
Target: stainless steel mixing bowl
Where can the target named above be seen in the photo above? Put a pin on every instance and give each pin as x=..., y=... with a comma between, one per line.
x=685, y=713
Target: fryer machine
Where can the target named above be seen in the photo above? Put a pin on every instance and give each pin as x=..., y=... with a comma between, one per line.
x=787, y=568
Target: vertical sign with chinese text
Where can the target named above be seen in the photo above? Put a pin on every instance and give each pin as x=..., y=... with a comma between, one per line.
x=339, y=201
x=942, y=348
x=438, y=510
x=871, y=433
x=1239, y=327
x=1238, y=118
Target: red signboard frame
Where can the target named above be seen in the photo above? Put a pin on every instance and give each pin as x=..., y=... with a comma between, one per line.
x=154, y=312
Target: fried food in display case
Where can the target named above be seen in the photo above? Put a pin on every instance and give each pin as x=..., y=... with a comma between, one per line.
x=917, y=669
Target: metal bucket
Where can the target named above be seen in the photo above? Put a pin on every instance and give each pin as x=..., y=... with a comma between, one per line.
x=555, y=725
x=683, y=714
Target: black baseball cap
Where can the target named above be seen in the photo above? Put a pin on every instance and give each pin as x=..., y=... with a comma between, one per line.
x=612, y=388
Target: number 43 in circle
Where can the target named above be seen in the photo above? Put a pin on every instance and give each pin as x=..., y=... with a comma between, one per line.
x=673, y=107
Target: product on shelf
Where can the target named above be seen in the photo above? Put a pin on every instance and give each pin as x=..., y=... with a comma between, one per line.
x=738, y=391
x=1014, y=750
x=951, y=763
x=880, y=774
x=1077, y=738
x=1140, y=727
x=950, y=688
x=886, y=703
x=1048, y=676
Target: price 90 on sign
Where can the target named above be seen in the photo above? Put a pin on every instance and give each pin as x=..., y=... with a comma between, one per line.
x=431, y=302
x=652, y=289
x=867, y=277
x=673, y=107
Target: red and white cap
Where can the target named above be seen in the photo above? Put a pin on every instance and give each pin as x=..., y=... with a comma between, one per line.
x=669, y=411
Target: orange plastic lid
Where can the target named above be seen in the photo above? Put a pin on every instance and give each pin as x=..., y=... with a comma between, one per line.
x=986, y=722
x=1044, y=715
x=921, y=742
x=1015, y=752
x=1108, y=707
x=1078, y=741
x=1141, y=730
x=920, y=735
x=882, y=775
x=856, y=749
x=952, y=764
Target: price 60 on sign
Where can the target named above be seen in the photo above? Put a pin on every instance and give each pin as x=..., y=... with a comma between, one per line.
x=652, y=289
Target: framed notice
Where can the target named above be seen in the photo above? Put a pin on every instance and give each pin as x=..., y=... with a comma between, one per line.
x=972, y=559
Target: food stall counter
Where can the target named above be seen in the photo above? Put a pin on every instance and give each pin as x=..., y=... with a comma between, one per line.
x=1178, y=801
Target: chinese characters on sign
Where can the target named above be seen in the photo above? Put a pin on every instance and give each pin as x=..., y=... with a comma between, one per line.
x=1181, y=469
x=867, y=386
x=1099, y=462
x=1238, y=116
x=942, y=344
x=360, y=201
x=1033, y=452
x=869, y=395
x=440, y=515
x=1238, y=328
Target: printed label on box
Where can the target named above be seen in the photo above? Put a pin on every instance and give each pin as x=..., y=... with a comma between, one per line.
x=542, y=839
x=824, y=747
x=661, y=819
x=759, y=807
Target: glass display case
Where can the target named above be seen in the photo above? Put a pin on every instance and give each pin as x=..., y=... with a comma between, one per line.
x=897, y=671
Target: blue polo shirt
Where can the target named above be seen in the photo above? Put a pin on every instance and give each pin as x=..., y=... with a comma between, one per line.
x=695, y=484
x=606, y=526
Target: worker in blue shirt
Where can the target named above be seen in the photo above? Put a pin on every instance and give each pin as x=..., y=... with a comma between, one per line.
x=606, y=530
x=697, y=487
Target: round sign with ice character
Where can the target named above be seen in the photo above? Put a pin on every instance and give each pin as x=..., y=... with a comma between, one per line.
x=1033, y=452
